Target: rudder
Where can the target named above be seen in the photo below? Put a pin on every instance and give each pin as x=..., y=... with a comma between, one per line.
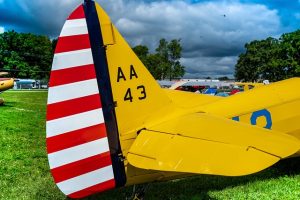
x=82, y=137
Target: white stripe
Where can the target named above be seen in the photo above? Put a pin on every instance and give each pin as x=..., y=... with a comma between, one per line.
x=77, y=153
x=74, y=122
x=72, y=59
x=86, y=180
x=72, y=91
x=74, y=27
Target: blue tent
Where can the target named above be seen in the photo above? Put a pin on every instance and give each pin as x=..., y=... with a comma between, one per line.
x=210, y=91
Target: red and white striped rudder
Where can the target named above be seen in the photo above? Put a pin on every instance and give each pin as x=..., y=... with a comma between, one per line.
x=77, y=142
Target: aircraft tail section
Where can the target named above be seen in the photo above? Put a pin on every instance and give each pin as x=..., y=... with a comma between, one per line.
x=97, y=83
x=135, y=92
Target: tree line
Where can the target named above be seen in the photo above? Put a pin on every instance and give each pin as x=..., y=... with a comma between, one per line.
x=272, y=59
x=25, y=55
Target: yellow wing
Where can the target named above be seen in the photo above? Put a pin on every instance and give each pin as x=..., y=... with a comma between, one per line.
x=203, y=143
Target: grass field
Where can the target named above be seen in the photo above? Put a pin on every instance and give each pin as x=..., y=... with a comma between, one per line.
x=24, y=171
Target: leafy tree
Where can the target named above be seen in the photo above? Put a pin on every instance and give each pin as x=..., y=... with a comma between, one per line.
x=142, y=52
x=153, y=63
x=272, y=59
x=54, y=43
x=174, y=50
x=291, y=46
x=28, y=55
x=251, y=63
x=165, y=62
x=170, y=54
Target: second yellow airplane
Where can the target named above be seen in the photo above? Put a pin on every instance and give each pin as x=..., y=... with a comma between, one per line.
x=5, y=84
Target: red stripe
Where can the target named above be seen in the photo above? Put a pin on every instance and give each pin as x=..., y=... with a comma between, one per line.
x=72, y=43
x=81, y=167
x=77, y=13
x=94, y=189
x=71, y=75
x=73, y=106
x=74, y=138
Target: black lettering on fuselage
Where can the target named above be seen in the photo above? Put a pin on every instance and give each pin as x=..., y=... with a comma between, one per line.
x=132, y=72
x=120, y=75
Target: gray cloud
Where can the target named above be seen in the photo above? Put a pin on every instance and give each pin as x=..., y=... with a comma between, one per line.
x=212, y=33
x=41, y=17
x=210, y=66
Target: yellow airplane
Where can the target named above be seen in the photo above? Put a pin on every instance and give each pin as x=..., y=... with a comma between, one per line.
x=109, y=124
x=5, y=84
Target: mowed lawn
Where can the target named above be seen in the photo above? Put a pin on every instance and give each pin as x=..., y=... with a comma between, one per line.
x=24, y=171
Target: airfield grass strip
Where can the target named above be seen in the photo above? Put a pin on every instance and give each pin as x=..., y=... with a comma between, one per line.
x=24, y=170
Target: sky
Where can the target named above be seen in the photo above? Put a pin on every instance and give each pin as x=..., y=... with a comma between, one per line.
x=212, y=32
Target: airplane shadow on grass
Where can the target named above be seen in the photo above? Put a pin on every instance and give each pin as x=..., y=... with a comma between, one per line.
x=198, y=187
x=9, y=104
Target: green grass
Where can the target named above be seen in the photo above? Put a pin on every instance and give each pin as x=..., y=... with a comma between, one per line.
x=24, y=171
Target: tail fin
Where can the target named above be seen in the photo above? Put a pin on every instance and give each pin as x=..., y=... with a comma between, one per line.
x=96, y=84
x=135, y=92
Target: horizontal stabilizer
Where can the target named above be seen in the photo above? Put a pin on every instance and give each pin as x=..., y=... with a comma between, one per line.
x=205, y=144
x=190, y=100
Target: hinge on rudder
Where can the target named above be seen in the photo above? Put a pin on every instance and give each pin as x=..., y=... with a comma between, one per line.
x=121, y=157
x=115, y=104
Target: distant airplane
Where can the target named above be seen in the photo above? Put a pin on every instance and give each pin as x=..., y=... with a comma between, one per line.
x=5, y=84
x=109, y=124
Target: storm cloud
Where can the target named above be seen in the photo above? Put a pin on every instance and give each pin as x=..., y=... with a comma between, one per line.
x=212, y=33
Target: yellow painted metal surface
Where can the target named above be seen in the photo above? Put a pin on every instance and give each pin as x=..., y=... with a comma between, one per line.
x=134, y=89
x=202, y=143
x=281, y=100
x=262, y=97
x=189, y=99
x=6, y=84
